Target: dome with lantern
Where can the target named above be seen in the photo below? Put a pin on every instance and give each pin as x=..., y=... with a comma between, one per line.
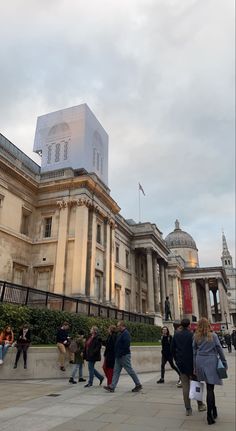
x=182, y=244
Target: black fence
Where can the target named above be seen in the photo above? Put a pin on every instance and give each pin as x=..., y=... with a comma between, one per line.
x=23, y=295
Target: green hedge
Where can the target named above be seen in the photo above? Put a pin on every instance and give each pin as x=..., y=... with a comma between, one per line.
x=44, y=324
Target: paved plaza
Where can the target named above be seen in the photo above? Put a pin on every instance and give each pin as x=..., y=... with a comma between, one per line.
x=54, y=405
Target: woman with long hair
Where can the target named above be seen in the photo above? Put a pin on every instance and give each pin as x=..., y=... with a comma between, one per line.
x=6, y=341
x=92, y=354
x=206, y=350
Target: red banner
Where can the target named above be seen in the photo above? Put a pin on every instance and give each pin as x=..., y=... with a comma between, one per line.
x=214, y=326
x=187, y=297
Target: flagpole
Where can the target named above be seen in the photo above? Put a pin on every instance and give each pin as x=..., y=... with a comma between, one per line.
x=139, y=204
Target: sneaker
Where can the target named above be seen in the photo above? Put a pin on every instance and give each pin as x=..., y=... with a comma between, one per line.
x=1, y=361
x=189, y=412
x=71, y=362
x=25, y=366
x=71, y=380
x=109, y=389
x=15, y=366
x=137, y=388
x=101, y=380
x=62, y=369
x=179, y=384
x=161, y=381
x=202, y=407
x=88, y=385
x=81, y=379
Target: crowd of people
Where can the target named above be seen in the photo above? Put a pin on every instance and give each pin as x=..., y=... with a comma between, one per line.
x=193, y=356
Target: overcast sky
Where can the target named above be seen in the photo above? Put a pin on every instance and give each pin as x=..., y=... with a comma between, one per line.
x=159, y=76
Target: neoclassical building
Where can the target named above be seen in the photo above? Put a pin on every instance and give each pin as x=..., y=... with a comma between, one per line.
x=61, y=231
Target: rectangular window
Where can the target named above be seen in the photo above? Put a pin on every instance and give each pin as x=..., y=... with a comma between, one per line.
x=57, y=152
x=94, y=157
x=65, y=150
x=117, y=254
x=49, y=157
x=47, y=227
x=99, y=233
x=98, y=161
x=127, y=259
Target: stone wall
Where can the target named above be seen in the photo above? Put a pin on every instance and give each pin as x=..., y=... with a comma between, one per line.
x=42, y=363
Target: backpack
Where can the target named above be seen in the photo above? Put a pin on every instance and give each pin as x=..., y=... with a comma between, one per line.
x=73, y=347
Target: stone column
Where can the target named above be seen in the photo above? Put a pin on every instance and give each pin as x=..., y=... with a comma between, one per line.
x=157, y=298
x=167, y=293
x=207, y=292
x=221, y=299
x=107, y=263
x=59, y=282
x=112, y=263
x=194, y=299
x=90, y=279
x=150, y=282
x=80, y=248
x=176, y=305
x=133, y=281
x=162, y=284
x=139, y=283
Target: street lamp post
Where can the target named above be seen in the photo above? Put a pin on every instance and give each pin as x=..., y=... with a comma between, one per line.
x=226, y=321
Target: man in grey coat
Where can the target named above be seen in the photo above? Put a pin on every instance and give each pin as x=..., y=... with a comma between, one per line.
x=182, y=350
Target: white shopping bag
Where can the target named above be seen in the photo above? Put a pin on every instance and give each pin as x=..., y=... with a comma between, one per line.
x=196, y=390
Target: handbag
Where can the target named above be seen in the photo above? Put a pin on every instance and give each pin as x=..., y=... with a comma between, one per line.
x=221, y=370
x=196, y=390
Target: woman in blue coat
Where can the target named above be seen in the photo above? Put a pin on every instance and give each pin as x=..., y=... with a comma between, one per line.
x=206, y=350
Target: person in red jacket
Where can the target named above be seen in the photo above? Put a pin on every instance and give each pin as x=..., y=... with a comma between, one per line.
x=6, y=341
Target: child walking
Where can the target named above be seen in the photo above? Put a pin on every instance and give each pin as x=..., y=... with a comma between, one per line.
x=80, y=342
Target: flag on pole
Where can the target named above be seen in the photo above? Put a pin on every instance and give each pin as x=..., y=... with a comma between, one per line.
x=140, y=188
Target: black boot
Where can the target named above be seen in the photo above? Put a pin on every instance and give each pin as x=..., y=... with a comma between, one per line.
x=210, y=419
x=214, y=412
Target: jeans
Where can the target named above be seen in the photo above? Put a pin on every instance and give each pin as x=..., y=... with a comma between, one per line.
x=22, y=348
x=164, y=360
x=123, y=362
x=93, y=372
x=3, y=350
x=76, y=367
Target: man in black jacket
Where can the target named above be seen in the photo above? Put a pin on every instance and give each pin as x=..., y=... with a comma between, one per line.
x=182, y=351
x=123, y=359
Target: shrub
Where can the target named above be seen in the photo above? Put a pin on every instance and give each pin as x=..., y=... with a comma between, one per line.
x=44, y=324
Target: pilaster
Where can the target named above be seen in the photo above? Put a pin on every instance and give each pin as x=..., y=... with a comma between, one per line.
x=59, y=281
x=150, y=282
x=80, y=248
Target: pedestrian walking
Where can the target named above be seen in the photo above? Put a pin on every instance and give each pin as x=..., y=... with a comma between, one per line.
x=207, y=348
x=78, y=358
x=109, y=353
x=123, y=359
x=166, y=355
x=63, y=342
x=182, y=351
x=233, y=338
x=92, y=354
x=6, y=341
x=228, y=341
x=22, y=344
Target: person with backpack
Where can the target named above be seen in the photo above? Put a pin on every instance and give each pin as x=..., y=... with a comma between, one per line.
x=166, y=355
x=77, y=348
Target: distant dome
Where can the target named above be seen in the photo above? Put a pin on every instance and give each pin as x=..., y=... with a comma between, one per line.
x=179, y=238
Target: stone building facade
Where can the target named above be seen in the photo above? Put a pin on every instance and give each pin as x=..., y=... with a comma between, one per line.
x=61, y=231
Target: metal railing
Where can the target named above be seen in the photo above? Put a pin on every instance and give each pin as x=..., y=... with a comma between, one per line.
x=24, y=295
